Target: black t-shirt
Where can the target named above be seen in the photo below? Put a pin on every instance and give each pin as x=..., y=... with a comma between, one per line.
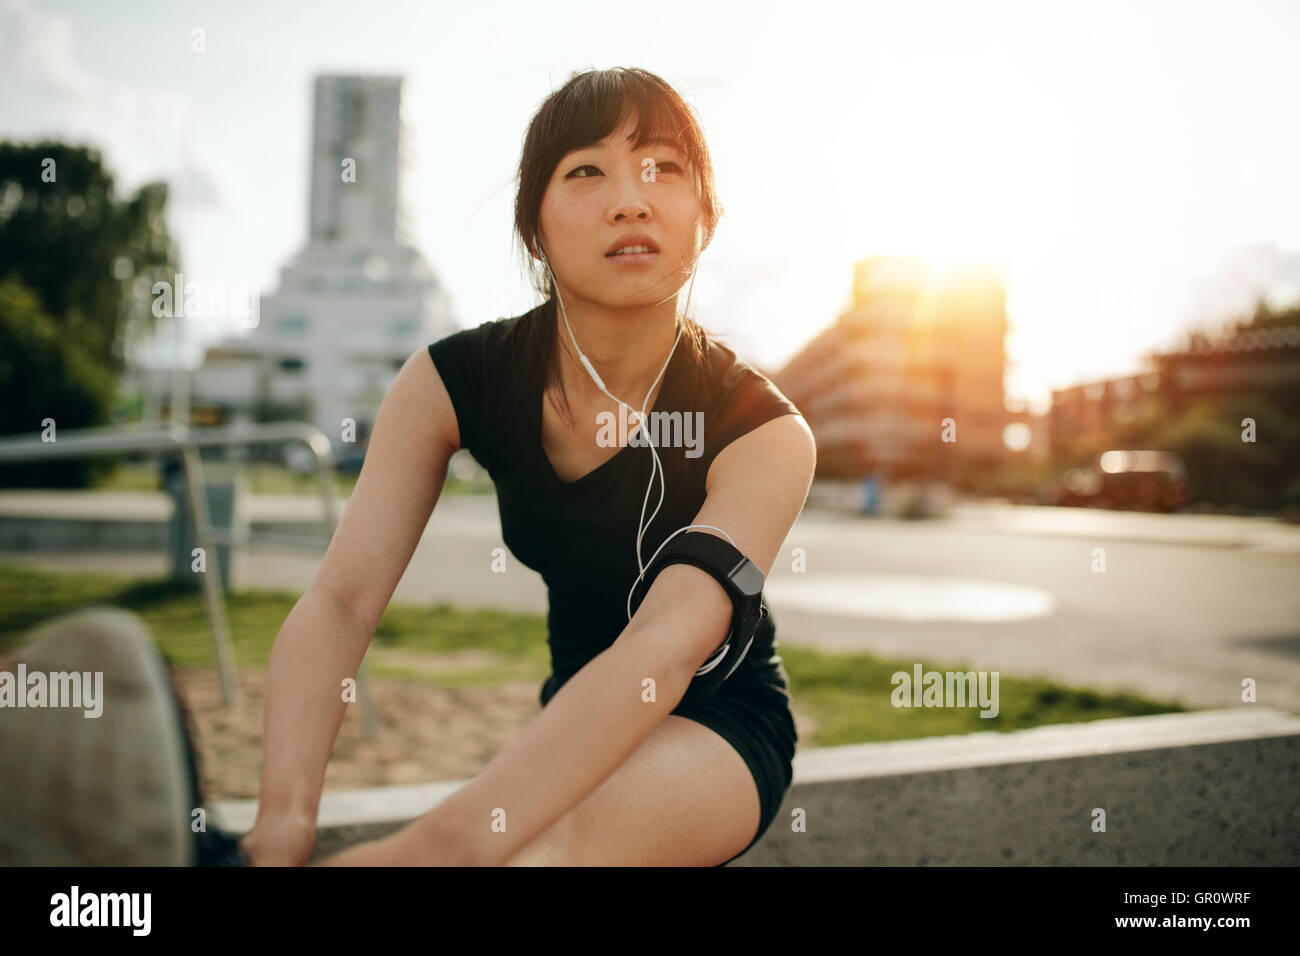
x=580, y=536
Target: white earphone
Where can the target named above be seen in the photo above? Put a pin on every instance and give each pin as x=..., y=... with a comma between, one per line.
x=646, y=436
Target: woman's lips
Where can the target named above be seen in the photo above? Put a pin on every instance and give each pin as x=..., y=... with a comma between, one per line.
x=632, y=258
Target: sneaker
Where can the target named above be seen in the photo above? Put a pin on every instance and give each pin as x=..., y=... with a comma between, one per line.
x=112, y=781
x=214, y=846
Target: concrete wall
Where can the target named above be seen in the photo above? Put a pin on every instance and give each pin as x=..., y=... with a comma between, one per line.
x=1209, y=788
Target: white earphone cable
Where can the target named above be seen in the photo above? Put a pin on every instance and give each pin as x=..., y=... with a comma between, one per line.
x=655, y=465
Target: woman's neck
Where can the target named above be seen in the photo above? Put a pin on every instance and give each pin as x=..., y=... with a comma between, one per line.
x=627, y=347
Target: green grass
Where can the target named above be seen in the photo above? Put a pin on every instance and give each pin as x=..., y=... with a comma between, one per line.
x=176, y=616
x=268, y=479
x=848, y=696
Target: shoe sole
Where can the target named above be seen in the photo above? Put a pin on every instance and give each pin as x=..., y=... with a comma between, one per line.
x=111, y=790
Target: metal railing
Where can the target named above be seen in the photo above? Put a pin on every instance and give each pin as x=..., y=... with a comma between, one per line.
x=187, y=442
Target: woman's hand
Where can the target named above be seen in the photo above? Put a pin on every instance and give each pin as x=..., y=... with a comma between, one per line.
x=282, y=840
x=382, y=852
x=409, y=846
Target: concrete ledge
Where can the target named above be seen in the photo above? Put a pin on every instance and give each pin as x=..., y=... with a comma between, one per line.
x=1211, y=788
x=1208, y=788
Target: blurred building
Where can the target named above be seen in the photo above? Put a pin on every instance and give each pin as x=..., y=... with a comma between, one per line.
x=1258, y=361
x=356, y=300
x=1091, y=412
x=919, y=345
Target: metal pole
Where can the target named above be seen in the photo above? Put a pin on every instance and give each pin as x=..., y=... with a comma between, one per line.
x=180, y=400
x=211, y=577
x=89, y=442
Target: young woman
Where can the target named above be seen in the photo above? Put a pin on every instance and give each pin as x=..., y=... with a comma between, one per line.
x=618, y=768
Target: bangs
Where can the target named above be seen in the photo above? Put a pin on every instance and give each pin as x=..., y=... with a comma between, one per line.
x=606, y=105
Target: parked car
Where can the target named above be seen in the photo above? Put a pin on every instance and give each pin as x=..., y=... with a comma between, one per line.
x=350, y=461
x=1137, y=479
x=299, y=460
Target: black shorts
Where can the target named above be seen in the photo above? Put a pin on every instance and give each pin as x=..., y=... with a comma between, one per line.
x=754, y=717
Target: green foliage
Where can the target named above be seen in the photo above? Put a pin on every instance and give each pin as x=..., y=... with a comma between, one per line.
x=77, y=268
x=1266, y=318
x=1221, y=467
x=90, y=259
x=44, y=375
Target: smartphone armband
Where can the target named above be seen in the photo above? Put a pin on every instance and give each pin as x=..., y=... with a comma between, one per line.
x=743, y=582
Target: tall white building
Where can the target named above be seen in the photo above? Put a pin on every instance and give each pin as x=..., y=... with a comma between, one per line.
x=356, y=118
x=357, y=299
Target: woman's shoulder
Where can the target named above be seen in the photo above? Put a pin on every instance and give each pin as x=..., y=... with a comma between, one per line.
x=737, y=397
x=731, y=381
x=483, y=337
x=486, y=351
x=475, y=364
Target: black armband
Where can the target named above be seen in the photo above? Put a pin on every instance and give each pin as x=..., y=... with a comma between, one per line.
x=743, y=582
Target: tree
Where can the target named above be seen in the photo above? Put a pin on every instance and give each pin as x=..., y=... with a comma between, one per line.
x=46, y=377
x=90, y=259
x=77, y=268
x=1266, y=318
x=1221, y=467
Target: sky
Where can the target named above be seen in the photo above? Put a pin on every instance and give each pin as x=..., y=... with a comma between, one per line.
x=1132, y=165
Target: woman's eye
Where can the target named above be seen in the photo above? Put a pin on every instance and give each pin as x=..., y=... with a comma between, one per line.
x=578, y=172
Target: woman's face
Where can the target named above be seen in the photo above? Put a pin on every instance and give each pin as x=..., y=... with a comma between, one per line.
x=601, y=193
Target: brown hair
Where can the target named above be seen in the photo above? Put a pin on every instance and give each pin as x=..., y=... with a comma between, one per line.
x=585, y=110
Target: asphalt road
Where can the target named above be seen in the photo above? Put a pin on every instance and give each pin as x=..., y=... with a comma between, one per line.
x=1182, y=608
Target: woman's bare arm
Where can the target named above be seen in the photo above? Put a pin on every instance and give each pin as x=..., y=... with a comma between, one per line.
x=755, y=490
x=325, y=636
